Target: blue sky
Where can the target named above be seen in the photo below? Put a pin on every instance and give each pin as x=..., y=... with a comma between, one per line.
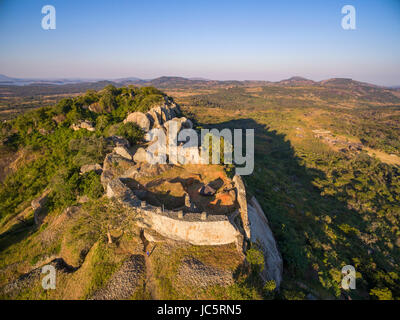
x=216, y=39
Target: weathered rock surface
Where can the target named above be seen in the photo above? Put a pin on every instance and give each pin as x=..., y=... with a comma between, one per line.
x=118, y=190
x=91, y=167
x=95, y=107
x=38, y=205
x=123, y=152
x=116, y=163
x=262, y=235
x=140, y=118
x=156, y=116
x=241, y=198
x=83, y=124
x=114, y=166
x=119, y=141
x=141, y=155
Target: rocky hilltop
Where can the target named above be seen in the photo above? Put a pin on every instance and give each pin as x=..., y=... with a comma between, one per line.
x=115, y=226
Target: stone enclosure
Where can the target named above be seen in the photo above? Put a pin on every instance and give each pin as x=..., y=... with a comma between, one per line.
x=170, y=199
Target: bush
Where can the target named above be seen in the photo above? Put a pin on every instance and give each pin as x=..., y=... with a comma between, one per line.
x=269, y=289
x=131, y=131
x=91, y=186
x=256, y=260
x=381, y=294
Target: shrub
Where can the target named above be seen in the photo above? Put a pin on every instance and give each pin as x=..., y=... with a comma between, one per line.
x=131, y=131
x=256, y=260
x=91, y=186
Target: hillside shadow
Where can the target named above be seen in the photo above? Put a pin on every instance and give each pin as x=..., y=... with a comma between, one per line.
x=17, y=233
x=297, y=212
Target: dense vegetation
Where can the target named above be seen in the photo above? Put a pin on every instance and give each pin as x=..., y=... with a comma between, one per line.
x=327, y=208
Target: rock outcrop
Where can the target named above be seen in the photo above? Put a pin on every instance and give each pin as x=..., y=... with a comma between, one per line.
x=91, y=167
x=140, y=118
x=123, y=152
x=83, y=124
x=241, y=198
x=39, y=207
x=119, y=141
x=141, y=155
x=157, y=116
x=262, y=235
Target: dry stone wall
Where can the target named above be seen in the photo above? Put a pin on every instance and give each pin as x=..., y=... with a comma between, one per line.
x=195, y=228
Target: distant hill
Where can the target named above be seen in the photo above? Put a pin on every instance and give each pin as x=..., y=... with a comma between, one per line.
x=7, y=80
x=345, y=82
x=297, y=81
x=166, y=82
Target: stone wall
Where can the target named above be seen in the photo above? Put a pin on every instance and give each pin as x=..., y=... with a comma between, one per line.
x=190, y=227
x=195, y=228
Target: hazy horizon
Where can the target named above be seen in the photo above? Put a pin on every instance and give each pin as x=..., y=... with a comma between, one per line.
x=224, y=40
x=185, y=77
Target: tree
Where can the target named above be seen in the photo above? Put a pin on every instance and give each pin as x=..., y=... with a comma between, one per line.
x=108, y=216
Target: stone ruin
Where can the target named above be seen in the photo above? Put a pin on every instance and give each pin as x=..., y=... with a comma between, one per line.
x=171, y=199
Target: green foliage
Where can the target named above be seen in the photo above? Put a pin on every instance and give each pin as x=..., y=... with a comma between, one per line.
x=131, y=131
x=91, y=185
x=381, y=293
x=256, y=260
x=269, y=289
x=61, y=151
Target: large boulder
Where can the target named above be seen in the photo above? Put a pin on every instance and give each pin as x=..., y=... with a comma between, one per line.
x=141, y=155
x=118, y=190
x=96, y=107
x=173, y=124
x=91, y=167
x=123, y=152
x=159, y=114
x=39, y=207
x=119, y=141
x=114, y=166
x=140, y=119
x=83, y=124
x=155, y=118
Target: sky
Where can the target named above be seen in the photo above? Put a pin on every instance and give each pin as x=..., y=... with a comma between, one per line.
x=213, y=39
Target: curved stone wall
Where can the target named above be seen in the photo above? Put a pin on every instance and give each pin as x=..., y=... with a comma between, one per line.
x=214, y=230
